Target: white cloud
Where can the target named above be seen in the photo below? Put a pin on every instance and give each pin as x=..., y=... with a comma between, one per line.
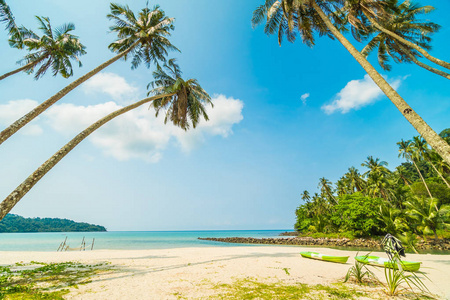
x=304, y=97
x=113, y=85
x=137, y=134
x=15, y=109
x=356, y=94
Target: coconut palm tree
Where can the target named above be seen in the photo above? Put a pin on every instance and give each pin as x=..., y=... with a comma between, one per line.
x=356, y=182
x=187, y=98
x=54, y=49
x=285, y=17
x=376, y=13
x=406, y=151
x=422, y=150
x=427, y=213
x=326, y=189
x=305, y=196
x=144, y=38
x=403, y=22
x=377, y=173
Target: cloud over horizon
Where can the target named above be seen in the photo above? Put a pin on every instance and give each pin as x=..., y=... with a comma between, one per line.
x=138, y=134
x=356, y=94
x=111, y=84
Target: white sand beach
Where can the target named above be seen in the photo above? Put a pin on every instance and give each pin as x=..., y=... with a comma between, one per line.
x=192, y=272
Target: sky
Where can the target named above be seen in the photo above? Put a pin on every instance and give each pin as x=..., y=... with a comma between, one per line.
x=283, y=118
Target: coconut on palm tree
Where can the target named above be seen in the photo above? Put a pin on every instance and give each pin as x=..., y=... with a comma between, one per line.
x=53, y=50
x=286, y=17
x=184, y=101
x=143, y=38
x=403, y=22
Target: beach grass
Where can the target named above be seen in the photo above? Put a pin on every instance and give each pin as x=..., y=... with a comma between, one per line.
x=37, y=280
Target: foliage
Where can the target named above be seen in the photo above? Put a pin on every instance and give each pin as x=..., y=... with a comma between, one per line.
x=409, y=202
x=38, y=280
x=359, y=272
x=252, y=289
x=15, y=223
x=396, y=276
x=357, y=213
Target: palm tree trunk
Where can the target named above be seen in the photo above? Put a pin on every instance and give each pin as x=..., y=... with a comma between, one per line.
x=409, y=44
x=9, y=202
x=421, y=177
x=440, y=174
x=27, y=66
x=425, y=66
x=432, y=138
x=13, y=128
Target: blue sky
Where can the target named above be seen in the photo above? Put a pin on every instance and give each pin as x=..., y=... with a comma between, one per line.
x=246, y=168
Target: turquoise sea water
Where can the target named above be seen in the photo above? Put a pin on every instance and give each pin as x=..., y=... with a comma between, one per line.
x=119, y=240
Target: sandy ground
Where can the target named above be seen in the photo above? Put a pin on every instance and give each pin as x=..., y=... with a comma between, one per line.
x=192, y=272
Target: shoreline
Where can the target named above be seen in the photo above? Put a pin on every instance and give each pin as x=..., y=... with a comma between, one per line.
x=194, y=273
x=370, y=244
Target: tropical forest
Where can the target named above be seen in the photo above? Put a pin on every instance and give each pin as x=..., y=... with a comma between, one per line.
x=410, y=201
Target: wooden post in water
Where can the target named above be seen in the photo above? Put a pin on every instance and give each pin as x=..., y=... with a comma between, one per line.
x=61, y=246
x=92, y=246
x=82, y=242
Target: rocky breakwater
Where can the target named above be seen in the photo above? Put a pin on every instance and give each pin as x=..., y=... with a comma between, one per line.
x=305, y=241
x=443, y=244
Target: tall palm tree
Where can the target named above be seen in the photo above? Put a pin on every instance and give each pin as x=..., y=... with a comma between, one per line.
x=378, y=12
x=377, y=173
x=309, y=16
x=421, y=147
x=144, y=38
x=403, y=22
x=326, y=189
x=407, y=152
x=356, y=182
x=54, y=49
x=305, y=196
x=173, y=93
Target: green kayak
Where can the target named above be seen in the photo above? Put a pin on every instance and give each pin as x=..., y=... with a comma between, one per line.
x=384, y=262
x=315, y=255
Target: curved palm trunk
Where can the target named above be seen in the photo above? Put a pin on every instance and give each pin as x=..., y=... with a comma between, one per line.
x=421, y=177
x=13, y=128
x=9, y=202
x=440, y=174
x=27, y=66
x=432, y=138
x=408, y=43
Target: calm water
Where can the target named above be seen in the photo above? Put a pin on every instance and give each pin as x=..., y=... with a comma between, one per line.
x=119, y=240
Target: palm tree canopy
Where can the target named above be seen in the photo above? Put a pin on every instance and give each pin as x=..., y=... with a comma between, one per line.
x=402, y=20
x=187, y=98
x=286, y=17
x=147, y=34
x=7, y=17
x=54, y=49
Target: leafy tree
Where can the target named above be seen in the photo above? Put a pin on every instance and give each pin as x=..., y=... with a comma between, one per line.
x=358, y=214
x=287, y=17
x=184, y=102
x=54, y=49
x=144, y=38
x=403, y=22
x=440, y=191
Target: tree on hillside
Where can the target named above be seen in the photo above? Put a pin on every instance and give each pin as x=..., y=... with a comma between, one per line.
x=54, y=49
x=285, y=17
x=184, y=101
x=142, y=37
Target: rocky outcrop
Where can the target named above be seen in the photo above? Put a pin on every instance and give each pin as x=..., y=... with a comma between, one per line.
x=333, y=242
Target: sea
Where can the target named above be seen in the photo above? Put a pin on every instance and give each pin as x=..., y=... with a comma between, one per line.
x=125, y=240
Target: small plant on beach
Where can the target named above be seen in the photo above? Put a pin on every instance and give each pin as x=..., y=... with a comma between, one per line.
x=359, y=272
x=396, y=277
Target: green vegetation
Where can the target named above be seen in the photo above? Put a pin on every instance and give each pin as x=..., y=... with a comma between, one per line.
x=38, y=280
x=253, y=289
x=411, y=201
x=360, y=273
x=15, y=223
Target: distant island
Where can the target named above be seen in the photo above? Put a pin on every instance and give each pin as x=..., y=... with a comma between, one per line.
x=16, y=223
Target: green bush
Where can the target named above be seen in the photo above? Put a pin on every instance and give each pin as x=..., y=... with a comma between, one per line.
x=358, y=214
